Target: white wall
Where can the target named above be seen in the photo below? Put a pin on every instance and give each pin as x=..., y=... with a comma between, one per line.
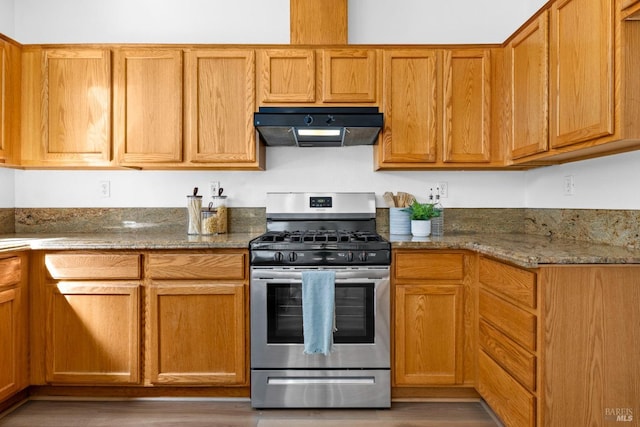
x=7, y=188
x=291, y=169
x=437, y=22
x=152, y=21
x=7, y=15
x=288, y=169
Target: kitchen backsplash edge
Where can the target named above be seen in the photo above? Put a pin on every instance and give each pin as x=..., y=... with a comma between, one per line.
x=615, y=227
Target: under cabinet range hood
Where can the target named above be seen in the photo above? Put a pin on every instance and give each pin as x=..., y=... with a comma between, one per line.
x=318, y=126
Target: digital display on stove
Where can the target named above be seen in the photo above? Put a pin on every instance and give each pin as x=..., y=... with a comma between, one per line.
x=320, y=202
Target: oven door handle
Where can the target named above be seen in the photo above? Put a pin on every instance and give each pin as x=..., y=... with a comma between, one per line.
x=365, y=273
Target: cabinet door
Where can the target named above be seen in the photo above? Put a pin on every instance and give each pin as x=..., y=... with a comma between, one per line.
x=581, y=71
x=9, y=342
x=197, y=333
x=93, y=333
x=287, y=75
x=349, y=75
x=466, y=106
x=148, y=106
x=220, y=102
x=77, y=106
x=627, y=3
x=3, y=101
x=529, y=75
x=410, y=108
x=428, y=337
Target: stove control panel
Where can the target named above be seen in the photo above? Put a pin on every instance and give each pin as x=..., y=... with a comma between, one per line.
x=320, y=257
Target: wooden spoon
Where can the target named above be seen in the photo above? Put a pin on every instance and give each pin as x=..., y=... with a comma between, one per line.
x=389, y=200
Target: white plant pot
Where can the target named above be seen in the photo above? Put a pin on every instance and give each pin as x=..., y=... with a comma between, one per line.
x=420, y=228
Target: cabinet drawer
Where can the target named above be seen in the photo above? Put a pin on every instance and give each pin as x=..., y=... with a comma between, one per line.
x=197, y=266
x=520, y=363
x=514, y=283
x=422, y=265
x=514, y=322
x=10, y=271
x=512, y=402
x=93, y=266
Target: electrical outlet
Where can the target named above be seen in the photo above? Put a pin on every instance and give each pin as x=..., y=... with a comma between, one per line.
x=569, y=185
x=214, y=187
x=105, y=189
x=443, y=189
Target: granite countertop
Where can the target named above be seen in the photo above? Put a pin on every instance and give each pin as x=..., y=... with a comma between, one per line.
x=524, y=250
x=132, y=241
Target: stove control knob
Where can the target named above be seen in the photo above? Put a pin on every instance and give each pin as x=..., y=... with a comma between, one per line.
x=363, y=256
x=349, y=256
x=293, y=256
x=278, y=257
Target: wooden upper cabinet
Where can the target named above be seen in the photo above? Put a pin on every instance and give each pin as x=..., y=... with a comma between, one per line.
x=3, y=102
x=76, y=107
x=409, y=103
x=349, y=75
x=466, y=106
x=287, y=75
x=627, y=3
x=220, y=102
x=293, y=76
x=581, y=69
x=529, y=52
x=10, y=68
x=148, y=106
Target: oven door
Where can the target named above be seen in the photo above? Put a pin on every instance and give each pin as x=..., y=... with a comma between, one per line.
x=362, y=319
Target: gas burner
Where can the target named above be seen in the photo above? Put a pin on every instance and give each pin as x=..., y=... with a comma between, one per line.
x=315, y=229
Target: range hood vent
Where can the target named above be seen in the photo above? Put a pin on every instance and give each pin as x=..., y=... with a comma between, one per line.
x=318, y=126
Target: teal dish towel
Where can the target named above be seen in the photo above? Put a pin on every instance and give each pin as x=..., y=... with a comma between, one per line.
x=318, y=310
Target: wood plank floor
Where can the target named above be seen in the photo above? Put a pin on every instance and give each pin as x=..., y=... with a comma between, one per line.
x=161, y=413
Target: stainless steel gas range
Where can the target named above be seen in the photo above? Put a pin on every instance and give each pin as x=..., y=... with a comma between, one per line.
x=320, y=231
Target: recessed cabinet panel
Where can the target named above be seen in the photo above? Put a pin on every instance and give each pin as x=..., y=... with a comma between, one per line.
x=220, y=91
x=530, y=89
x=10, y=271
x=410, y=108
x=77, y=106
x=198, y=333
x=349, y=75
x=9, y=341
x=287, y=75
x=148, y=106
x=467, y=108
x=582, y=76
x=93, y=333
x=429, y=332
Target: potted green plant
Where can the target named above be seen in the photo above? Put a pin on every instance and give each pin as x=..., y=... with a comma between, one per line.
x=421, y=214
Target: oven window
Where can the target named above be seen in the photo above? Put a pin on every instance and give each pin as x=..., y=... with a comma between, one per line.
x=355, y=313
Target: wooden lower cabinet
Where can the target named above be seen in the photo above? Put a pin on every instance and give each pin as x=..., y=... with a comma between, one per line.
x=13, y=325
x=197, y=319
x=558, y=345
x=93, y=333
x=430, y=333
x=197, y=333
x=92, y=318
x=105, y=312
